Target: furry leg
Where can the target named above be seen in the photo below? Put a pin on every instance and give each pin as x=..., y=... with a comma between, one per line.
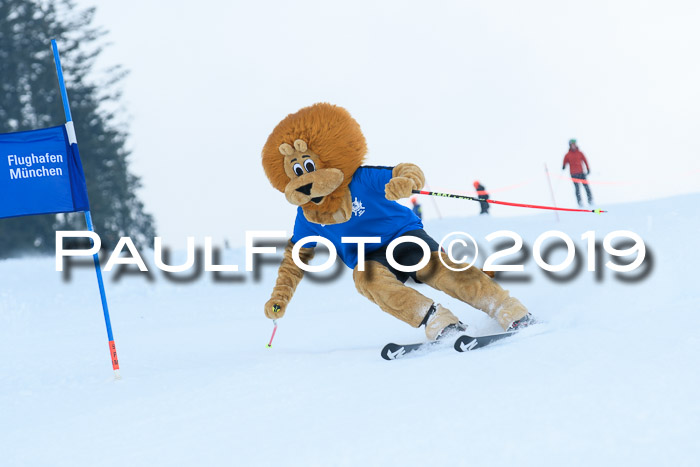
x=380, y=286
x=473, y=287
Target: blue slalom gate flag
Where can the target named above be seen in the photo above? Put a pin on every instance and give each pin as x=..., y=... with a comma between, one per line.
x=41, y=172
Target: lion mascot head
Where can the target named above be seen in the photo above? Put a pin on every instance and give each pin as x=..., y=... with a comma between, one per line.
x=311, y=157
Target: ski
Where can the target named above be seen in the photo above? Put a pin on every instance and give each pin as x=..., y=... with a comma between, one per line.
x=465, y=343
x=393, y=351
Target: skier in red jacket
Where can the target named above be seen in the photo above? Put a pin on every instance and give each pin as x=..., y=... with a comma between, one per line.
x=577, y=162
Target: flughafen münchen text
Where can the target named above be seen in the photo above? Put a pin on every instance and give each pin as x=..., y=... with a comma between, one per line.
x=24, y=166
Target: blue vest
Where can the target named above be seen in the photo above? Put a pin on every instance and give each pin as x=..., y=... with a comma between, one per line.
x=372, y=216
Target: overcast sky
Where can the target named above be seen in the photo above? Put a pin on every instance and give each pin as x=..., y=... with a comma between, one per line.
x=488, y=90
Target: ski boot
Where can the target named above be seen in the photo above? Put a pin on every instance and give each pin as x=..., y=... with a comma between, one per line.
x=440, y=323
x=523, y=322
x=452, y=330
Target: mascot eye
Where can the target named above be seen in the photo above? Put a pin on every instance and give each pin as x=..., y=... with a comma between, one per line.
x=297, y=169
x=309, y=165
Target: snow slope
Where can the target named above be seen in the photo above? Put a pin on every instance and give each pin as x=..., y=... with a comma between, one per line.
x=609, y=378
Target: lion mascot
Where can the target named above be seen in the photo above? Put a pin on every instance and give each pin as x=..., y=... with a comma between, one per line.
x=314, y=157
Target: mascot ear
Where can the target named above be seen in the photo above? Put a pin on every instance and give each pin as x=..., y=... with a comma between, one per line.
x=286, y=149
x=300, y=145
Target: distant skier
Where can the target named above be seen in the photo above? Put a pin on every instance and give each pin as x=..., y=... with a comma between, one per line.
x=417, y=209
x=482, y=194
x=577, y=161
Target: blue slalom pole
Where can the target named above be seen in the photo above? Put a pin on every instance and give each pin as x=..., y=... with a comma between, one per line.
x=88, y=217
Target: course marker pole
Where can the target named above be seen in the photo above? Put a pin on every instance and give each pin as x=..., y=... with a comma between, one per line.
x=551, y=190
x=88, y=216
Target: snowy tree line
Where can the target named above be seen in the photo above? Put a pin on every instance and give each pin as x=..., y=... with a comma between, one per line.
x=30, y=99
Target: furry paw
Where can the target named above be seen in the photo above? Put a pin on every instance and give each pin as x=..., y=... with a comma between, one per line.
x=399, y=187
x=275, y=308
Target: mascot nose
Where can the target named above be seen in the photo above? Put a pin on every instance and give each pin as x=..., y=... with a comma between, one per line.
x=306, y=189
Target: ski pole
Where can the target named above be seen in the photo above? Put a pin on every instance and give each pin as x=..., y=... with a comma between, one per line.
x=274, y=330
x=506, y=203
x=275, y=308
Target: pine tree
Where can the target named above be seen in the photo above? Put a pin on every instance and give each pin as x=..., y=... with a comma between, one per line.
x=30, y=99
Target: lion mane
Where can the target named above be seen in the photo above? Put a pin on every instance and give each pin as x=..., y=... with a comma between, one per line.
x=330, y=132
